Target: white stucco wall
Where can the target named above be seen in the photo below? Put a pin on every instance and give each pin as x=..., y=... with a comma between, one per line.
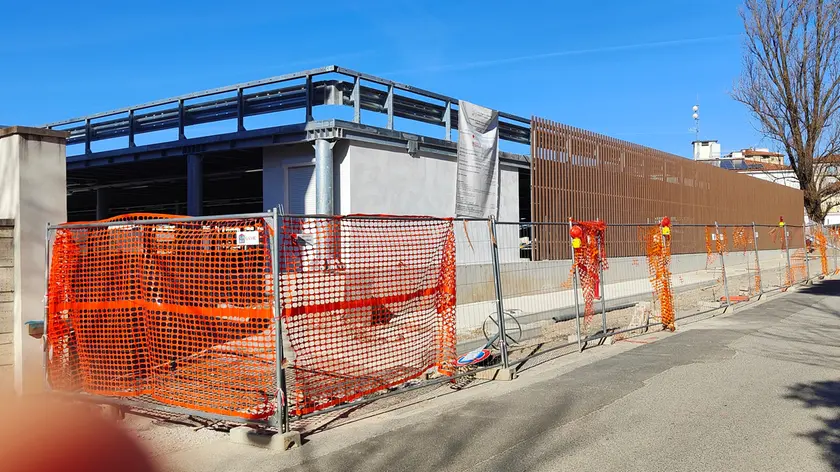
x=33, y=193
x=786, y=178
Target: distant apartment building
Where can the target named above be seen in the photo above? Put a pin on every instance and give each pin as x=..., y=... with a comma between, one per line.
x=764, y=164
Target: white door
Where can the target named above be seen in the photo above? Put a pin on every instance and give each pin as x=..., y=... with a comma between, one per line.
x=300, y=190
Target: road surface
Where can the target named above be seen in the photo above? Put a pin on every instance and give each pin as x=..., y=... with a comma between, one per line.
x=758, y=389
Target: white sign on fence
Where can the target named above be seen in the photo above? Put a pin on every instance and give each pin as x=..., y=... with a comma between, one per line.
x=477, y=187
x=247, y=238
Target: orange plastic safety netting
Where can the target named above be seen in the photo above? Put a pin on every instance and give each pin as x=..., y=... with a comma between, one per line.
x=715, y=243
x=590, y=258
x=834, y=237
x=743, y=240
x=798, y=266
x=822, y=246
x=368, y=304
x=178, y=313
x=657, y=246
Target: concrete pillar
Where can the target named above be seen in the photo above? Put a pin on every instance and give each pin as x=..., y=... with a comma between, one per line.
x=324, y=177
x=33, y=192
x=195, y=185
x=103, y=203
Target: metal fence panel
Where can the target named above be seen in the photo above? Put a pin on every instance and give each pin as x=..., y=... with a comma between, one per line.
x=368, y=305
x=166, y=313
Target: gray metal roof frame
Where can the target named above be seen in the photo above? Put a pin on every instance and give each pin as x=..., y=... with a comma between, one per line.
x=288, y=134
x=129, y=121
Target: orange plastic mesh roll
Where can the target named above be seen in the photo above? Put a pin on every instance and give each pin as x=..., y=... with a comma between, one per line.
x=368, y=304
x=178, y=313
x=589, y=259
x=658, y=249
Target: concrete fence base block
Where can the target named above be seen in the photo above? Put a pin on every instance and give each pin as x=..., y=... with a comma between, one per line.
x=497, y=374
x=265, y=439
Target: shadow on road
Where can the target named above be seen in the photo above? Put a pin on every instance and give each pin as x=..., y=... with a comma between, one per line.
x=824, y=394
x=826, y=287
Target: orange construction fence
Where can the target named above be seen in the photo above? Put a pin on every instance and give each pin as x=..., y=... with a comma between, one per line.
x=182, y=313
x=179, y=314
x=368, y=304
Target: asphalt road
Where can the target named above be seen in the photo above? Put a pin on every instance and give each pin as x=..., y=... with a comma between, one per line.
x=755, y=390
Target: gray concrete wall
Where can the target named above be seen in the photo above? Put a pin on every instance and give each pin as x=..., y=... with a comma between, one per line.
x=388, y=180
x=475, y=281
x=7, y=287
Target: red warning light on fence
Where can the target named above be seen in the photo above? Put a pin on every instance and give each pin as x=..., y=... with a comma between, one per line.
x=666, y=226
x=576, y=232
x=781, y=221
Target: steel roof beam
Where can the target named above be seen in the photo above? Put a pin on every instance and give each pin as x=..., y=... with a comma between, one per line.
x=283, y=99
x=305, y=95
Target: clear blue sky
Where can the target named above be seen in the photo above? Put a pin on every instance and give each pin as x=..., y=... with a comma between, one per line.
x=628, y=69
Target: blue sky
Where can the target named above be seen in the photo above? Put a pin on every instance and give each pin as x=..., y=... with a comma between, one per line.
x=627, y=69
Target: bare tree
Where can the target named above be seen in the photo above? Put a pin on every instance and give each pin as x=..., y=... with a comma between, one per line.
x=791, y=85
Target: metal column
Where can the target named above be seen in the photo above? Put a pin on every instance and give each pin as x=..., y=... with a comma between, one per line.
x=103, y=203
x=324, y=177
x=195, y=185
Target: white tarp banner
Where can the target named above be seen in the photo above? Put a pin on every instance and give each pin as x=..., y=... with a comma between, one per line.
x=477, y=188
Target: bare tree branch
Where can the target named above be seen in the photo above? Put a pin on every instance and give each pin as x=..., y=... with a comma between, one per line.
x=791, y=85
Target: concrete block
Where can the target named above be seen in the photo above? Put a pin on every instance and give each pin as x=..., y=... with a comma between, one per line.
x=7, y=279
x=7, y=380
x=497, y=374
x=6, y=317
x=7, y=251
x=7, y=349
x=265, y=439
x=609, y=340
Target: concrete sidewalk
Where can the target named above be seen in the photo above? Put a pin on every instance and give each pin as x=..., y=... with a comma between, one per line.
x=755, y=390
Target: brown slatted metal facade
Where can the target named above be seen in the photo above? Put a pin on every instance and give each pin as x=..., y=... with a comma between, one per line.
x=586, y=176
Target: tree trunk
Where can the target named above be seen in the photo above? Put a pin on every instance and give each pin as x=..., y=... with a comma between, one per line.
x=813, y=204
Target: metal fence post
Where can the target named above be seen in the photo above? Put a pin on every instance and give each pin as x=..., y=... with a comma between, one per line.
x=723, y=266
x=757, y=263
x=787, y=255
x=835, y=253
x=45, y=355
x=603, y=284
x=577, y=302
x=807, y=259
x=280, y=371
x=500, y=305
